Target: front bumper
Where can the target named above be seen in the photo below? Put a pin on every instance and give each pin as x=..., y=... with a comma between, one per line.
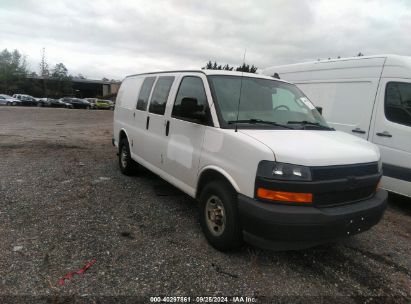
x=282, y=227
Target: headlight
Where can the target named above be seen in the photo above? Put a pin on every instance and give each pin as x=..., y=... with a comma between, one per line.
x=283, y=171
x=380, y=165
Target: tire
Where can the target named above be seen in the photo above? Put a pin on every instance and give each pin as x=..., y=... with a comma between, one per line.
x=229, y=234
x=8, y=103
x=127, y=165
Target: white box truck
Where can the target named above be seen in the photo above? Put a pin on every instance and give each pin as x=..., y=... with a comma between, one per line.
x=368, y=96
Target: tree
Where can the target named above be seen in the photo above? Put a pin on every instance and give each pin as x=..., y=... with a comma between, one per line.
x=228, y=68
x=247, y=68
x=61, y=84
x=44, y=71
x=60, y=71
x=80, y=76
x=13, y=71
x=44, y=67
x=215, y=66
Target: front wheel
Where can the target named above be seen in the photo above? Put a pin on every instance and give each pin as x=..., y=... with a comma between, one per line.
x=126, y=163
x=219, y=216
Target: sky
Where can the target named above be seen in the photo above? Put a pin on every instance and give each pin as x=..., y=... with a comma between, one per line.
x=117, y=38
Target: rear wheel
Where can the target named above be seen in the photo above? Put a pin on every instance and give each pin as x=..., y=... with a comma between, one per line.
x=219, y=216
x=127, y=165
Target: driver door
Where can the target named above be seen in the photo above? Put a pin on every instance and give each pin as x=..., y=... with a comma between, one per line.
x=185, y=134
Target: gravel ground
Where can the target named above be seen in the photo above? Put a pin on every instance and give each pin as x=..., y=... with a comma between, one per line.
x=64, y=202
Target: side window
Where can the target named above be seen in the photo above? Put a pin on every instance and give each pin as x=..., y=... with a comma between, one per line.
x=190, y=88
x=145, y=91
x=160, y=94
x=397, y=106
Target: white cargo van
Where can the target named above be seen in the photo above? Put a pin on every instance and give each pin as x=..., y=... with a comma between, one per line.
x=366, y=96
x=264, y=165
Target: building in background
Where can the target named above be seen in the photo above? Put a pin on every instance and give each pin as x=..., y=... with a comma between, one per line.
x=73, y=87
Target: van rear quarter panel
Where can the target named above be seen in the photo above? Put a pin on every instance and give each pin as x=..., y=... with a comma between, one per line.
x=125, y=105
x=235, y=155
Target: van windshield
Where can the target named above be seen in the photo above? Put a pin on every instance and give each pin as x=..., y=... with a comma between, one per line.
x=264, y=104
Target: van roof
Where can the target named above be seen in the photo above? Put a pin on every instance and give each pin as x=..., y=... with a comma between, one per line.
x=213, y=72
x=390, y=59
x=394, y=66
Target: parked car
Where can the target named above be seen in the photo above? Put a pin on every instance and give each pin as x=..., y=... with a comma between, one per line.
x=55, y=103
x=101, y=104
x=368, y=96
x=254, y=151
x=8, y=100
x=26, y=100
x=76, y=103
x=92, y=102
x=42, y=102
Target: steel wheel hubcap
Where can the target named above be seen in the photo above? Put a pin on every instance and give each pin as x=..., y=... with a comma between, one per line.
x=215, y=215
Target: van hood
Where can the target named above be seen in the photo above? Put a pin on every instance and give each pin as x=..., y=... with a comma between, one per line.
x=316, y=148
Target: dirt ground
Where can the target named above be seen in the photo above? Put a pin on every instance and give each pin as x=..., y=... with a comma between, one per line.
x=64, y=202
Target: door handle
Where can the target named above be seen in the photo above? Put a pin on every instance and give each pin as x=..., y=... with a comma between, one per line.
x=167, y=127
x=358, y=130
x=147, y=122
x=134, y=114
x=384, y=134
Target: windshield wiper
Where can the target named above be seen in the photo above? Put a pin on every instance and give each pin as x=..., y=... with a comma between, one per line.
x=309, y=123
x=255, y=121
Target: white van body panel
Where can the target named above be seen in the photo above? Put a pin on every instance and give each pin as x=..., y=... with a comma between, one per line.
x=222, y=172
x=330, y=148
x=227, y=150
x=397, y=67
x=183, y=146
x=351, y=92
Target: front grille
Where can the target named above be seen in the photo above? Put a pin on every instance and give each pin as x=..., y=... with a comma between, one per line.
x=344, y=171
x=334, y=198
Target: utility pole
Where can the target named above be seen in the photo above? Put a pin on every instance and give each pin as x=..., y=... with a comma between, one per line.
x=44, y=71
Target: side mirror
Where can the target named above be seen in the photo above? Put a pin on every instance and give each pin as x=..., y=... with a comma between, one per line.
x=189, y=109
x=320, y=110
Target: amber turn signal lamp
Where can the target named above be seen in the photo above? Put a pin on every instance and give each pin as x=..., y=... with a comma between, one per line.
x=293, y=197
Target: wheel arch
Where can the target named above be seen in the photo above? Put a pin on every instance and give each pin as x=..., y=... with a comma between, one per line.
x=211, y=173
x=122, y=134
